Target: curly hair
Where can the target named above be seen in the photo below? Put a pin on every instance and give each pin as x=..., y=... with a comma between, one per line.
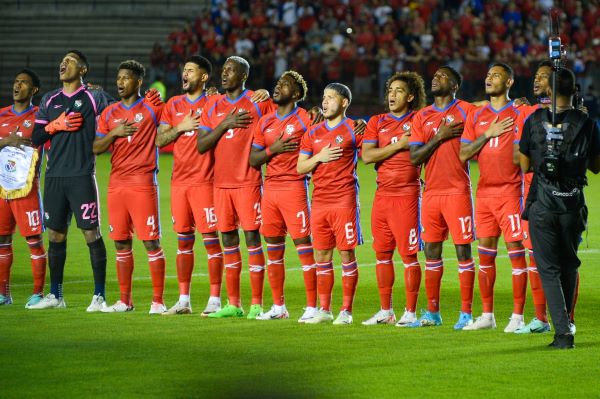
x=299, y=81
x=416, y=88
x=134, y=66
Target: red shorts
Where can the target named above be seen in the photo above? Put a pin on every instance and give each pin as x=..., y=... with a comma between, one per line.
x=238, y=206
x=336, y=228
x=443, y=213
x=395, y=222
x=193, y=207
x=24, y=212
x=495, y=215
x=283, y=212
x=133, y=208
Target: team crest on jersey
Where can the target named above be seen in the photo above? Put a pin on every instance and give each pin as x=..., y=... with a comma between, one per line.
x=339, y=139
x=406, y=127
x=199, y=111
x=10, y=166
x=77, y=103
x=138, y=117
x=27, y=123
x=449, y=119
x=289, y=129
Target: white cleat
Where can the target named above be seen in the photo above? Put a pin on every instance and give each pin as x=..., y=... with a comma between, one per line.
x=515, y=322
x=408, y=319
x=381, y=317
x=309, y=313
x=49, y=301
x=344, y=317
x=572, y=328
x=276, y=312
x=321, y=316
x=97, y=305
x=157, y=308
x=179, y=308
x=486, y=321
x=118, y=307
x=213, y=306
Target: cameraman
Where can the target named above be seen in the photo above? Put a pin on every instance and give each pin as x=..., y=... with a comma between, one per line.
x=555, y=208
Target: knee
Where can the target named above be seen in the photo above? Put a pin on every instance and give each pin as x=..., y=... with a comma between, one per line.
x=91, y=235
x=152, y=245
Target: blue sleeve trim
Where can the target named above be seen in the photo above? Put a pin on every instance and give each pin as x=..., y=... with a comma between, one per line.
x=309, y=153
x=416, y=143
x=465, y=141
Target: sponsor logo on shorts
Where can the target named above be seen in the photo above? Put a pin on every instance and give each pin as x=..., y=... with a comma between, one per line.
x=173, y=219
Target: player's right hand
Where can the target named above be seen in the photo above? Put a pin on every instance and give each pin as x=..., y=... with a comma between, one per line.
x=448, y=131
x=189, y=123
x=14, y=140
x=329, y=153
x=124, y=129
x=289, y=144
x=65, y=123
x=498, y=128
x=237, y=119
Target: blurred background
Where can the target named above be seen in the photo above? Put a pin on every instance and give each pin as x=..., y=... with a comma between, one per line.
x=358, y=42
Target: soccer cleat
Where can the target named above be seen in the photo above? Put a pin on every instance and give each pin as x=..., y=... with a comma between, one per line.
x=179, y=308
x=228, y=311
x=408, y=319
x=254, y=312
x=98, y=303
x=213, y=305
x=534, y=326
x=309, y=313
x=464, y=319
x=33, y=300
x=514, y=323
x=276, y=312
x=5, y=300
x=321, y=316
x=157, y=308
x=49, y=301
x=563, y=341
x=344, y=317
x=429, y=319
x=572, y=328
x=484, y=322
x=118, y=307
x=381, y=317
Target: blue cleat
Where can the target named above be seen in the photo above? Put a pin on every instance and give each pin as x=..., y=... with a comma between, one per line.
x=5, y=300
x=33, y=300
x=429, y=319
x=535, y=326
x=464, y=320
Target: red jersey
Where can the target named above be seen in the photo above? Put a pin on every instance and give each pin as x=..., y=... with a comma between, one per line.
x=232, y=152
x=134, y=158
x=281, y=169
x=190, y=168
x=25, y=120
x=525, y=112
x=335, y=183
x=445, y=174
x=498, y=175
x=395, y=175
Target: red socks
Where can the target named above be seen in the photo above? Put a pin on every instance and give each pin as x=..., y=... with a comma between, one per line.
x=232, y=260
x=124, y=273
x=384, y=271
x=309, y=271
x=6, y=260
x=412, y=280
x=276, y=271
x=38, y=264
x=185, y=262
x=434, y=270
x=466, y=276
x=156, y=261
x=519, y=278
x=487, y=277
x=537, y=291
x=349, y=281
x=325, y=284
x=215, y=264
x=256, y=265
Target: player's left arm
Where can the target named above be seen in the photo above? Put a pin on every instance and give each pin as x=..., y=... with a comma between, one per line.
x=524, y=148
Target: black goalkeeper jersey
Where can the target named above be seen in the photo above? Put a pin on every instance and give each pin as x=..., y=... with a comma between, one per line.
x=70, y=153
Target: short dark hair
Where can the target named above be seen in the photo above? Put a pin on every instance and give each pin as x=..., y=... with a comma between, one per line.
x=506, y=67
x=134, y=66
x=565, y=82
x=545, y=63
x=81, y=57
x=202, y=62
x=340, y=89
x=456, y=76
x=35, y=79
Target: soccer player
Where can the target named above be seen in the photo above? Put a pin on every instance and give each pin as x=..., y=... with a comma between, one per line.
x=227, y=123
x=67, y=117
x=16, y=127
x=128, y=128
x=395, y=212
x=499, y=194
x=284, y=202
x=329, y=151
x=447, y=205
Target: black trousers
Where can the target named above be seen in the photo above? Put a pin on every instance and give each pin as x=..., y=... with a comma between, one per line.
x=555, y=238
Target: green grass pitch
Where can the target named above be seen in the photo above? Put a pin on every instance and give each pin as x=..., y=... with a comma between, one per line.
x=69, y=353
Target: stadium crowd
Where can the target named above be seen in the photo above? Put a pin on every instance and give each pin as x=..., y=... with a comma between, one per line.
x=360, y=43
